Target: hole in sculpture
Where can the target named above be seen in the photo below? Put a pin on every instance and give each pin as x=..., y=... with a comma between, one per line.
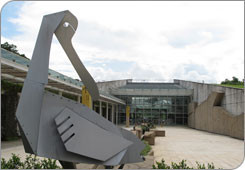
x=66, y=24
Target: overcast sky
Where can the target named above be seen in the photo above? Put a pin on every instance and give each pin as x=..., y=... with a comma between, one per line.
x=140, y=40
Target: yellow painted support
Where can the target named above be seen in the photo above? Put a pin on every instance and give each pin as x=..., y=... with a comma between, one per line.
x=127, y=116
x=86, y=98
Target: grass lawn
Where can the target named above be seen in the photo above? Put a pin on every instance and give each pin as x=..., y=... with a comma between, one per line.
x=232, y=85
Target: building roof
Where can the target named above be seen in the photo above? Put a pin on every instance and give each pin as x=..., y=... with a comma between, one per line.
x=14, y=69
x=151, y=89
x=105, y=95
x=145, y=85
x=26, y=62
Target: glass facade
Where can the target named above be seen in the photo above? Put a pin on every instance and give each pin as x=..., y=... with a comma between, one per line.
x=155, y=109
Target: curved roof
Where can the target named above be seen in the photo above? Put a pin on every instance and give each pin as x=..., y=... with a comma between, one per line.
x=14, y=68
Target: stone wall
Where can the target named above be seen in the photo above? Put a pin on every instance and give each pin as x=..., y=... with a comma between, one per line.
x=233, y=99
x=216, y=109
x=191, y=114
x=212, y=117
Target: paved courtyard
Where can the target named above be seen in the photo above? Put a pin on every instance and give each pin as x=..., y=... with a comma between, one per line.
x=180, y=143
x=195, y=145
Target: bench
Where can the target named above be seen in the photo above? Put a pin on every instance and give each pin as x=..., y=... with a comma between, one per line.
x=158, y=132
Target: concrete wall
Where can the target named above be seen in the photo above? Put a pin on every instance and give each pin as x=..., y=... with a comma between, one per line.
x=108, y=85
x=216, y=109
x=233, y=100
x=191, y=114
x=212, y=117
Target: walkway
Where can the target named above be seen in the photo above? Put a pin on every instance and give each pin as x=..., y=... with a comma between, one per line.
x=180, y=143
x=194, y=145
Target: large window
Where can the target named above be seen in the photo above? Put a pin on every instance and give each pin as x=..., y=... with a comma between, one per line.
x=155, y=109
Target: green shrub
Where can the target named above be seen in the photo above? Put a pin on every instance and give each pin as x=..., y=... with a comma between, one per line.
x=161, y=165
x=49, y=164
x=145, y=128
x=13, y=163
x=31, y=162
x=146, y=150
x=181, y=165
x=151, y=125
x=202, y=166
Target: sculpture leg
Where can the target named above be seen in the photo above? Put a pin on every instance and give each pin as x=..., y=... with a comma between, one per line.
x=121, y=166
x=68, y=165
x=109, y=167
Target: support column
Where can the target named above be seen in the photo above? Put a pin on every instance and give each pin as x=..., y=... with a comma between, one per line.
x=78, y=99
x=100, y=108
x=116, y=114
x=112, y=113
x=86, y=98
x=127, y=116
x=60, y=93
x=107, y=109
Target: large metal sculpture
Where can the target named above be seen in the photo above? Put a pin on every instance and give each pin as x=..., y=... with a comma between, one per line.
x=55, y=127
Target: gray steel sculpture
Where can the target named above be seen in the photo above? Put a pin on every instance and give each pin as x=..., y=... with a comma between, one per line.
x=55, y=127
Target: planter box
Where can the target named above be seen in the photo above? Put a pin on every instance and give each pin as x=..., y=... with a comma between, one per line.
x=150, y=137
x=137, y=132
x=159, y=132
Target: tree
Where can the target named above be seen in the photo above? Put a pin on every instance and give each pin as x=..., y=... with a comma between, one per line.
x=12, y=48
x=235, y=80
x=226, y=81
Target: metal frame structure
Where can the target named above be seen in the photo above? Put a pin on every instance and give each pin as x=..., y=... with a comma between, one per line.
x=55, y=127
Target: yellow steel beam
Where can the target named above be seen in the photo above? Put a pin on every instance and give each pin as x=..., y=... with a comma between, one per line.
x=127, y=116
x=86, y=98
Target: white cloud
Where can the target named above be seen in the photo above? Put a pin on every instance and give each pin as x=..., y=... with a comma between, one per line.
x=159, y=38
